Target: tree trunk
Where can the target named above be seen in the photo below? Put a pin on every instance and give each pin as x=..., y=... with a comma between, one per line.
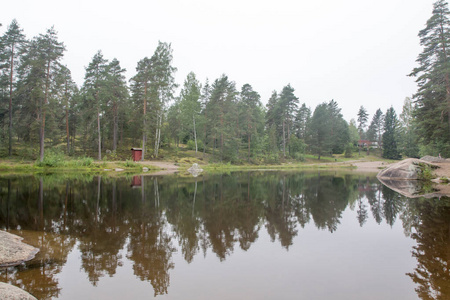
x=115, y=126
x=144, y=128
x=11, y=77
x=204, y=141
x=42, y=131
x=284, y=140
x=195, y=136
x=158, y=133
x=221, y=137
x=99, y=135
x=67, y=130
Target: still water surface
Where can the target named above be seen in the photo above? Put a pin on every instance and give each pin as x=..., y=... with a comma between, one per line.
x=249, y=235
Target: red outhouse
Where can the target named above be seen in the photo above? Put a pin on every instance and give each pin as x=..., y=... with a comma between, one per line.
x=136, y=153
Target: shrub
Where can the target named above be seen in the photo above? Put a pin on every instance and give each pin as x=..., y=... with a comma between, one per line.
x=52, y=158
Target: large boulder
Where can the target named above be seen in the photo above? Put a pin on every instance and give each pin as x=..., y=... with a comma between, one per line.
x=408, y=169
x=10, y=292
x=13, y=251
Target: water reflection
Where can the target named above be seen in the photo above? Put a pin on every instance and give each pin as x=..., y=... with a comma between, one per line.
x=151, y=218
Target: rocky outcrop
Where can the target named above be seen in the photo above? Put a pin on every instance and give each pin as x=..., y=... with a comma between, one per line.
x=408, y=169
x=13, y=251
x=413, y=177
x=10, y=292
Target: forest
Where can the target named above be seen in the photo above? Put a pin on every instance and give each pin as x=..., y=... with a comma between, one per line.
x=42, y=109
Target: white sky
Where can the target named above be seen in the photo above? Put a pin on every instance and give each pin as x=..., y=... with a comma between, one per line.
x=357, y=52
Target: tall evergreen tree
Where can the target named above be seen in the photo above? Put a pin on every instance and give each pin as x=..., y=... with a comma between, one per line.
x=320, y=141
x=375, y=131
x=288, y=103
x=362, y=120
x=40, y=66
x=408, y=139
x=301, y=121
x=116, y=94
x=95, y=91
x=13, y=45
x=67, y=92
x=154, y=85
x=140, y=89
x=162, y=86
x=251, y=106
x=390, y=150
x=433, y=78
x=190, y=106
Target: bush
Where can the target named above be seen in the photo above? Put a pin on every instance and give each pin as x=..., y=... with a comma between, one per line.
x=191, y=145
x=52, y=158
x=348, y=150
x=299, y=156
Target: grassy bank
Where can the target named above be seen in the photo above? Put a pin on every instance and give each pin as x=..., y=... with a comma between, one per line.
x=56, y=161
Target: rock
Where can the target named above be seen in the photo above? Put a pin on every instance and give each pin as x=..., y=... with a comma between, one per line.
x=145, y=169
x=408, y=169
x=407, y=188
x=10, y=292
x=195, y=170
x=433, y=159
x=13, y=251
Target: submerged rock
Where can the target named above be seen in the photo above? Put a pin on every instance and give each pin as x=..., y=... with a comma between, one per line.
x=195, y=170
x=10, y=292
x=13, y=251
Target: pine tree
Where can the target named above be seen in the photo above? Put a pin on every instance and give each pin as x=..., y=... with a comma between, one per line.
x=407, y=133
x=390, y=150
x=116, y=94
x=301, y=121
x=251, y=106
x=362, y=120
x=320, y=141
x=374, y=133
x=190, y=106
x=39, y=71
x=433, y=78
x=13, y=44
x=288, y=103
x=67, y=90
x=94, y=90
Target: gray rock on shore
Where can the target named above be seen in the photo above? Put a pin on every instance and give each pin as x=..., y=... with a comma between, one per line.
x=10, y=292
x=13, y=251
x=408, y=169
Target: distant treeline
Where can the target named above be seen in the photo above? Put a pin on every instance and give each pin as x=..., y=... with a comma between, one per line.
x=41, y=107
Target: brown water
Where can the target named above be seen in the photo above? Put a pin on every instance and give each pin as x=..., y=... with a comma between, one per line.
x=250, y=235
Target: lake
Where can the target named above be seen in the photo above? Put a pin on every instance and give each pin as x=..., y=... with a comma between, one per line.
x=242, y=235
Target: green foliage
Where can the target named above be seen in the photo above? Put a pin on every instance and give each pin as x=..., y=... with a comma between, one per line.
x=425, y=172
x=432, y=100
x=328, y=131
x=191, y=145
x=296, y=147
x=131, y=164
x=390, y=150
x=348, y=150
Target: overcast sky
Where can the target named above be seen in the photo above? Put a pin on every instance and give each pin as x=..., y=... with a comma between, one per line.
x=357, y=52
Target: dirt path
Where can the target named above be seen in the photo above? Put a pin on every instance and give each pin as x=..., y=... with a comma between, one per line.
x=167, y=167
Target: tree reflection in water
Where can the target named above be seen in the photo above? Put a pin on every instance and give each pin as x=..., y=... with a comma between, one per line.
x=432, y=226
x=213, y=213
